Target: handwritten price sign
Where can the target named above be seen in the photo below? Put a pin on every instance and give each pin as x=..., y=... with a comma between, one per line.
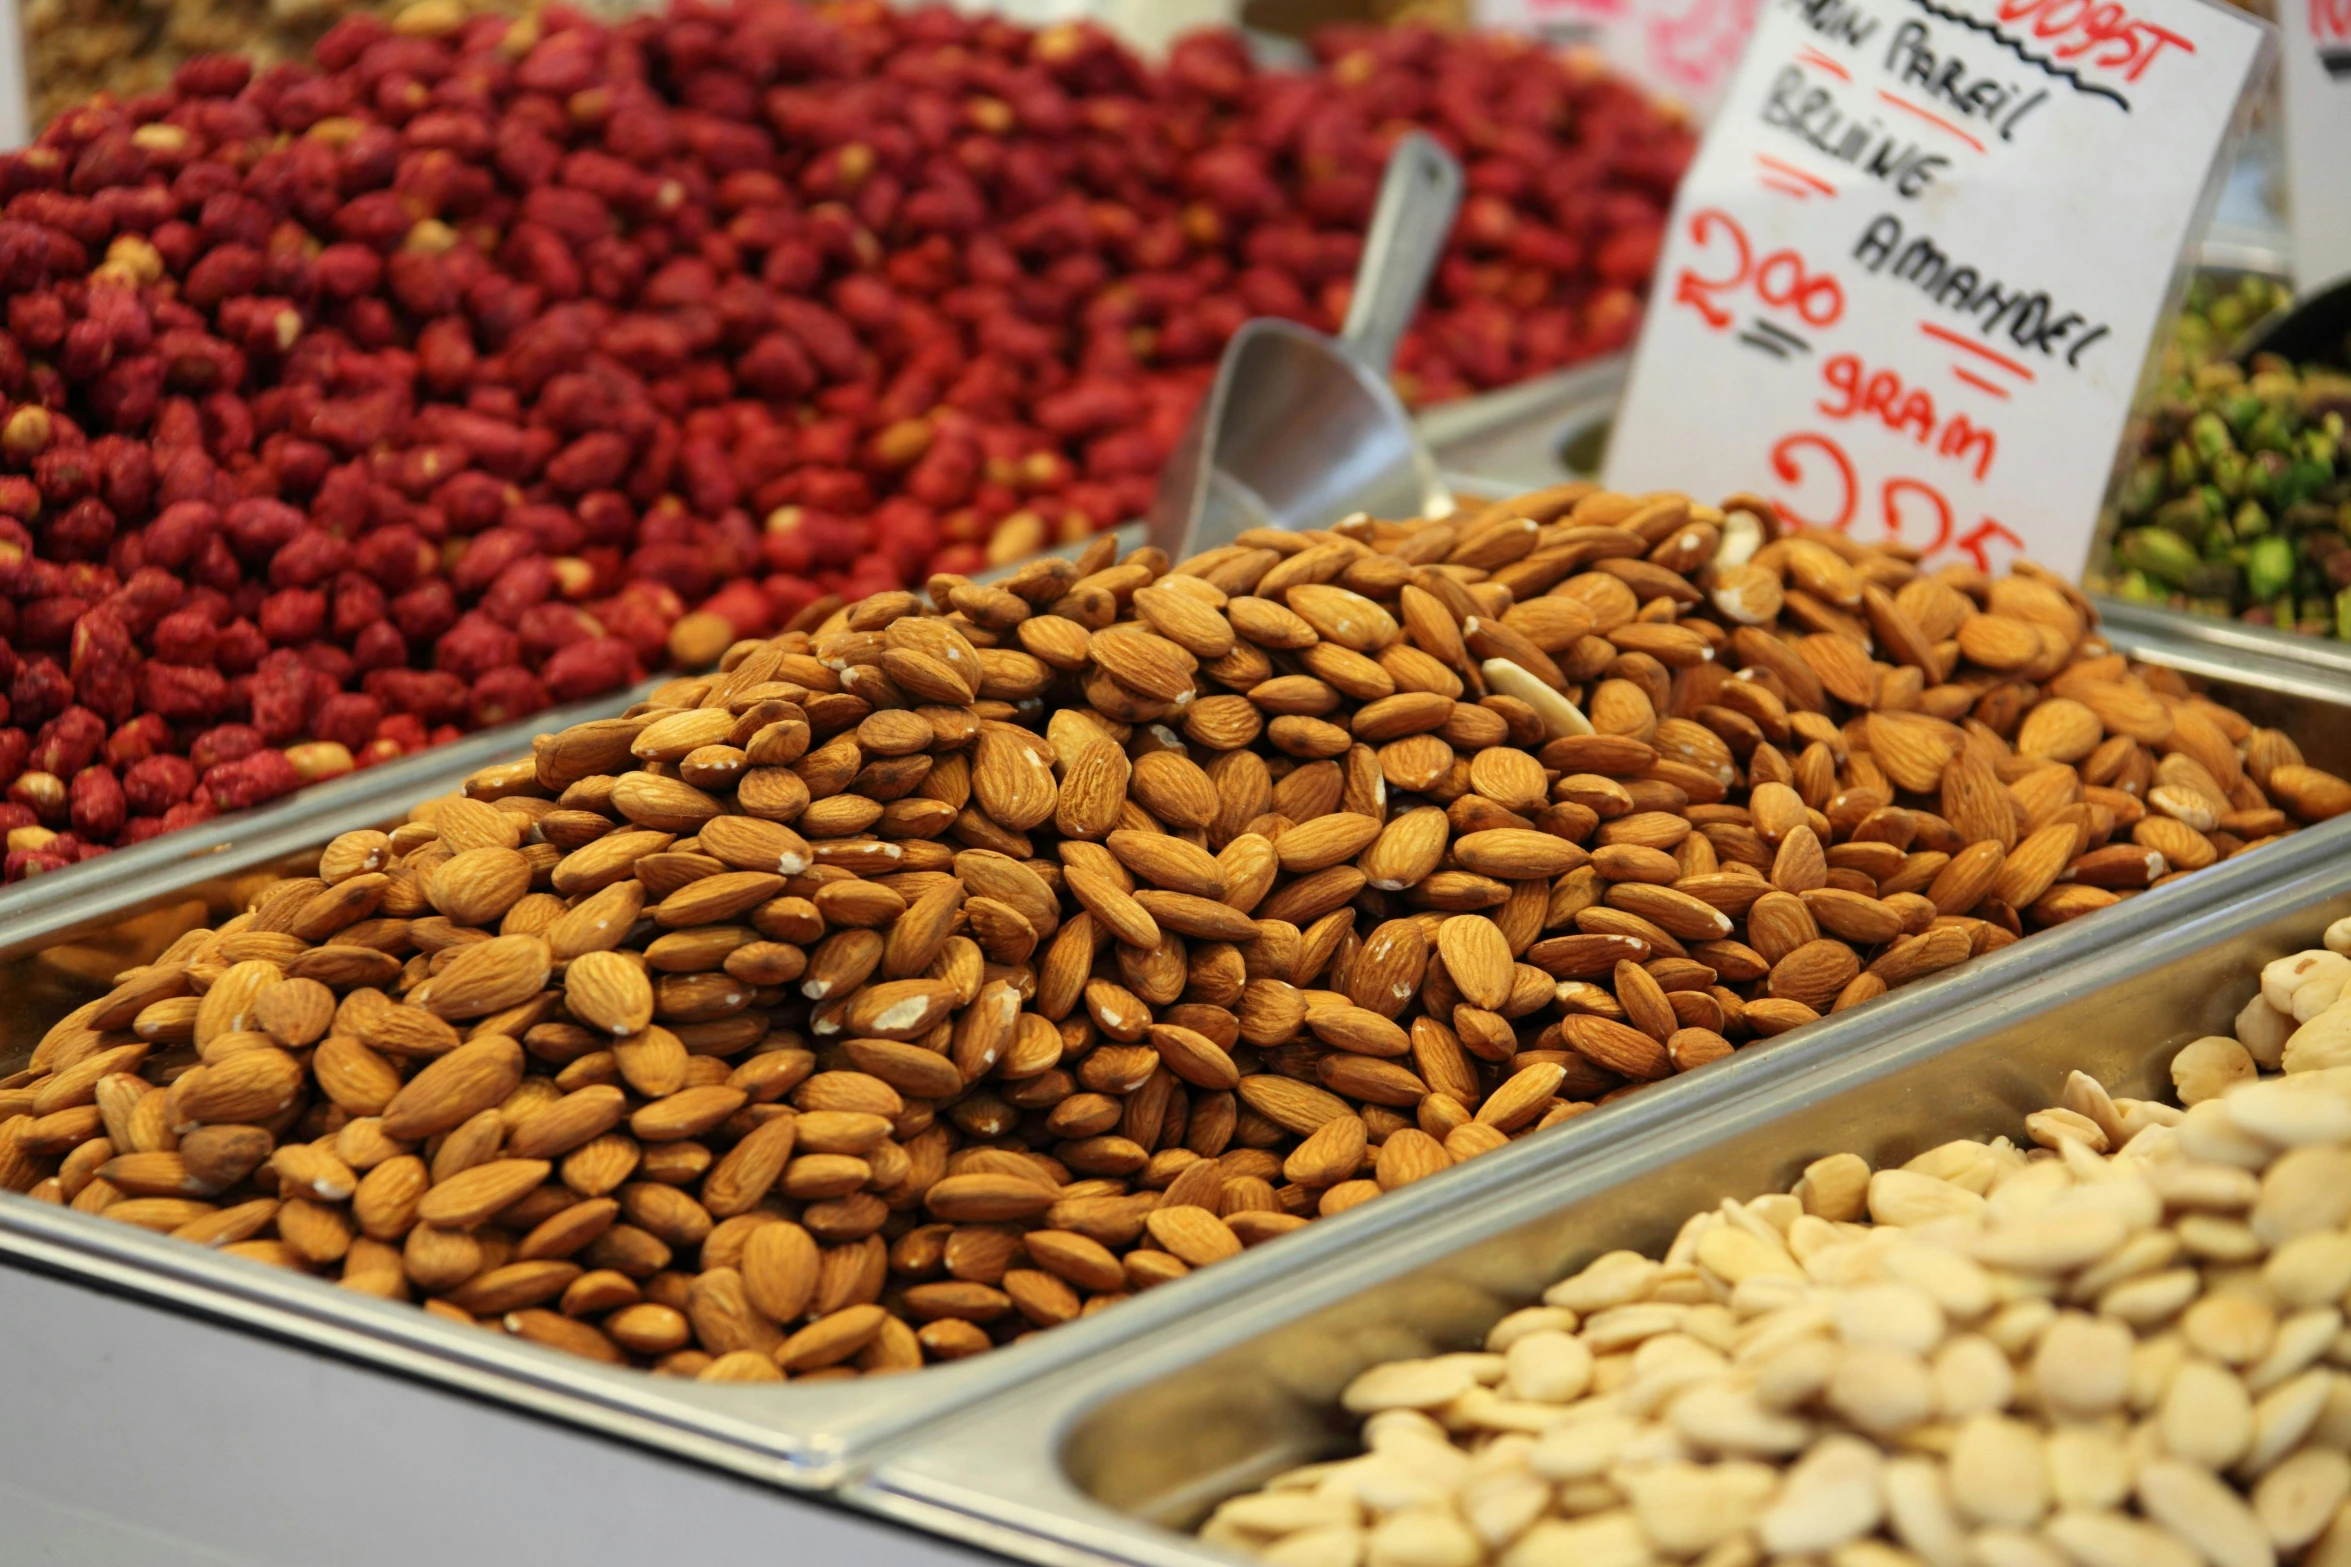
x=1913, y=275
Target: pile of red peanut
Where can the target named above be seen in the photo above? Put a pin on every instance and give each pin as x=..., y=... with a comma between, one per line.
x=354, y=405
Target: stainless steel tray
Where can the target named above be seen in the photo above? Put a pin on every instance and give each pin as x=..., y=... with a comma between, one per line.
x=1105, y=1461
x=145, y=1438
x=815, y=1435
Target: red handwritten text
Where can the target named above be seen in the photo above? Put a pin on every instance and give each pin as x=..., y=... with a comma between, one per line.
x=1829, y=494
x=1880, y=394
x=2099, y=33
x=1781, y=280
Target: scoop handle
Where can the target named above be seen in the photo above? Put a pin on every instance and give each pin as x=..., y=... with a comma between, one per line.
x=1419, y=194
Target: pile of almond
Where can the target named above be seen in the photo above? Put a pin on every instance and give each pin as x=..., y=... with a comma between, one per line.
x=2120, y=1344
x=965, y=966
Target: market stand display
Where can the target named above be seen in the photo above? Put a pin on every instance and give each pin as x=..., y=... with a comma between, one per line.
x=946, y=1028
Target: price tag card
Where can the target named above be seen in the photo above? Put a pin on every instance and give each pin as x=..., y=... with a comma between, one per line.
x=2316, y=75
x=1913, y=275
x=1683, y=50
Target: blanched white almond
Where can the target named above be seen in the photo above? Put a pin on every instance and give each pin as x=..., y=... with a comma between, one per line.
x=1919, y=1511
x=1903, y=1197
x=2288, y=1113
x=2299, y=1341
x=1890, y=1316
x=1999, y=1474
x=1882, y=1391
x=2199, y=1509
x=2206, y=1068
x=2089, y=1467
x=1614, y=1279
x=1994, y=1355
x=2282, y=1417
x=2323, y=1040
x=2300, y=1496
x=1423, y=1537
x=1332, y=1545
x=1832, y=1495
x=1686, y=1509
x=1725, y=1418
x=1499, y=1507
x=2206, y=1416
x=1538, y=1319
x=1972, y=1377
x=1548, y=1366
x=2114, y=1540
x=1408, y=1384
x=2281, y=977
x=1609, y=1539
x=2310, y=1270
x=2082, y=1367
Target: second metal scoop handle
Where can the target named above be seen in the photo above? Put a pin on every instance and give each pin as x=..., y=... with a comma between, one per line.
x=1419, y=194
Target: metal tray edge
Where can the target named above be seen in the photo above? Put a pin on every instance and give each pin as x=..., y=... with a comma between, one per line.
x=2226, y=649
x=31, y=1238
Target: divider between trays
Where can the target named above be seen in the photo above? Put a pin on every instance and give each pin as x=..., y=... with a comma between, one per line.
x=2127, y=624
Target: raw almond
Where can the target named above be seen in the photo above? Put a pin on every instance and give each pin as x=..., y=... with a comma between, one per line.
x=1331, y=1154
x=2031, y=869
x=749, y=844
x=1913, y=749
x=1478, y=959
x=488, y=977
x=1407, y=850
x=1326, y=841
x=473, y=1196
x=2060, y=730
x=609, y=993
x=1814, y=973
x=780, y=1264
x=1516, y=854
x=454, y=1088
x=476, y=886
x=1998, y=642
x=1169, y=862
x=2312, y=795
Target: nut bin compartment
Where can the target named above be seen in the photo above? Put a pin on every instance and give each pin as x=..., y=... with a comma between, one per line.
x=812, y=1434
x=1111, y=1459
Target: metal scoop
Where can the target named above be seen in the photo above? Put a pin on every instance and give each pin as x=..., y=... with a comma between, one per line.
x=1300, y=429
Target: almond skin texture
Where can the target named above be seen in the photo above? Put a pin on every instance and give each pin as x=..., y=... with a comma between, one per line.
x=609, y=993
x=963, y=961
